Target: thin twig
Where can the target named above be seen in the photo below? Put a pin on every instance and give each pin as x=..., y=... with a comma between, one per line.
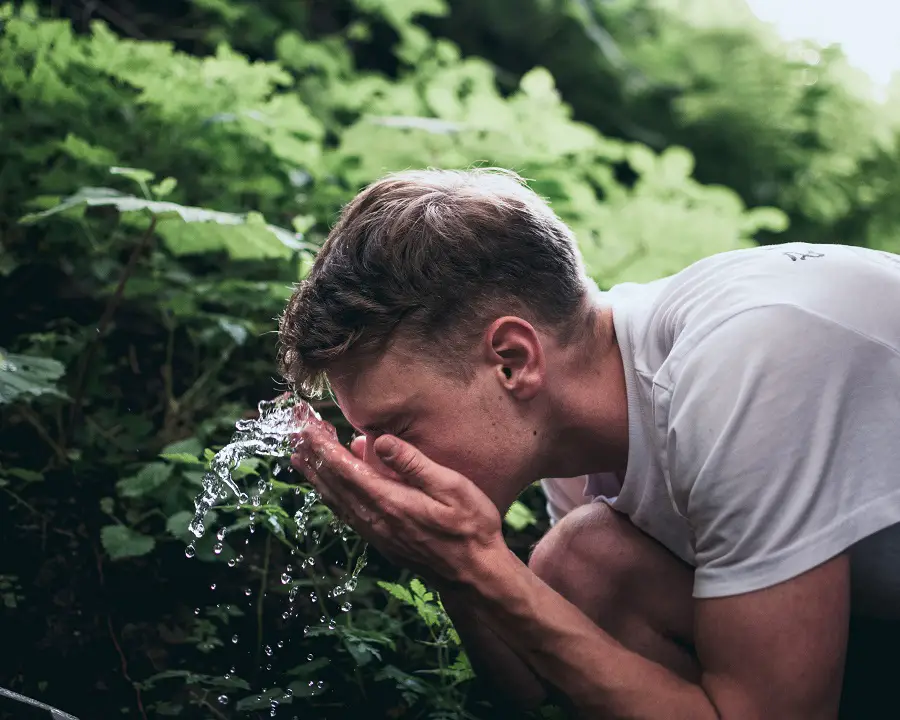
x=205, y=703
x=18, y=499
x=105, y=320
x=137, y=690
x=32, y=419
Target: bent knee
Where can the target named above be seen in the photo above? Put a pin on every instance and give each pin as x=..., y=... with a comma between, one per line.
x=587, y=555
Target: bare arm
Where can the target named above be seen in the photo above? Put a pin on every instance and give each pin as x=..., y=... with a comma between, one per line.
x=492, y=659
x=777, y=652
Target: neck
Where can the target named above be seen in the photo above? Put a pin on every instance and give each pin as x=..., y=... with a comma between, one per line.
x=589, y=416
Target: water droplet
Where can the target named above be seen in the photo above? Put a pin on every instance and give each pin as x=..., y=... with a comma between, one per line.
x=268, y=649
x=268, y=666
x=332, y=624
x=313, y=596
x=309, y=657
x=247, y=592
x=285, y=578
x=240, y=558
x=220, y=535
x=320, y=684
x=243, y=498
x=285, y=615
x=256, y=501
x=322, y=619
x=306, y=630
x=232, y=562
x=346, y=607
x=212, y=587
x=217, y=548
x=292, y=593
x=196, y=611
x=288, y=692
x=234, y=639
x=189, y=551
x=223, y=699
x=280, y=643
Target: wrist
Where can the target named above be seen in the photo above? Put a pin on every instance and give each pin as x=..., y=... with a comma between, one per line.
x=490, y=565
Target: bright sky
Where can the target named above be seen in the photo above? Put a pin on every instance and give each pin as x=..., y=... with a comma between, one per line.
x=867, y=30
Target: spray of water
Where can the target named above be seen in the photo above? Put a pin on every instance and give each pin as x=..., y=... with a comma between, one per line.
x=268, y=435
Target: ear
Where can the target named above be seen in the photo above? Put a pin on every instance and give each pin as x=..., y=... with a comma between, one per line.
x=514, y=350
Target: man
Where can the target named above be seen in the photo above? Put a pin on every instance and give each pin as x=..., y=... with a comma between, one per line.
x=737, y=422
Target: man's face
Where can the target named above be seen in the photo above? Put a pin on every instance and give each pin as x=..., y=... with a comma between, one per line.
x=474, y=429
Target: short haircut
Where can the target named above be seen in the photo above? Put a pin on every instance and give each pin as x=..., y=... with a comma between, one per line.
x=432, y=257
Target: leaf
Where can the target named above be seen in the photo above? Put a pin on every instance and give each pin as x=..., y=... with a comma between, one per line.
x=22, y=474
x=139, y=175
x=182, y=459
x=519, y=516
x=148, y=479
x=30, y=375
x=308, y=667
x=123, y=542
x=188, y=446
x=398, y=591
x=241, y=236
x=79, y=149
x=419, y=590
x=164, y=187
x=177, y=524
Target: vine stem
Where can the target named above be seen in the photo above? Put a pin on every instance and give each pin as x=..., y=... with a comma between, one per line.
x=105, y=320
x=137, y=690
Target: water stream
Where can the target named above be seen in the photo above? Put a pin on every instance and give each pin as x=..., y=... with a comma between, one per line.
x=271, y=435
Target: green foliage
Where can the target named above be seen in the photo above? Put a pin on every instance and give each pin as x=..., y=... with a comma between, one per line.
x=123, y=542
x=24, y=376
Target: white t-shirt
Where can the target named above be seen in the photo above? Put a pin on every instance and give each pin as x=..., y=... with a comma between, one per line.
x=764, y=418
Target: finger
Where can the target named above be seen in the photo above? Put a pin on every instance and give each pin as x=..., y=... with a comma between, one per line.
x=354, y=482
x=306, y=465
x=412, y=465
x=358, y=447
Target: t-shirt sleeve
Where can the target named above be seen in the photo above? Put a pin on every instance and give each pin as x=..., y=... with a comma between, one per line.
x=563, y=495
x=782, y=445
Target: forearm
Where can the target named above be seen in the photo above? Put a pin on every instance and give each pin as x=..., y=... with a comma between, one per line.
x=492, y=659
x=558, y=642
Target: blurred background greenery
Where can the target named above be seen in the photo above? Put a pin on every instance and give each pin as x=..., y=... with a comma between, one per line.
x=167, y=170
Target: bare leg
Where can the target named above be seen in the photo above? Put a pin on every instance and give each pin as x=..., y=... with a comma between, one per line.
x=625, y=581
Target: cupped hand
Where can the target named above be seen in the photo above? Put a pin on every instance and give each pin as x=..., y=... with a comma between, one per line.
x=417, y=513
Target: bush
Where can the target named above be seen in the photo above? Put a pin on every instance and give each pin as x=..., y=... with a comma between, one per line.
x=155, y=209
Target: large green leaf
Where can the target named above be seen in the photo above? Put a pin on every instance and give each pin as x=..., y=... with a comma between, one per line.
x=123, y=542
x=24, y=375
x=149, y=478
x=187, y=229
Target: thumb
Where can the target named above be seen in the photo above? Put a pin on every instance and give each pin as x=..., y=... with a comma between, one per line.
x=402, y=458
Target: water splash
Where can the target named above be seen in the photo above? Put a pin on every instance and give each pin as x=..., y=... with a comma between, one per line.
x=269, y=435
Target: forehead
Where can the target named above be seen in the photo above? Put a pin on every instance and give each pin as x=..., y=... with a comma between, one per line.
x=370, y=391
